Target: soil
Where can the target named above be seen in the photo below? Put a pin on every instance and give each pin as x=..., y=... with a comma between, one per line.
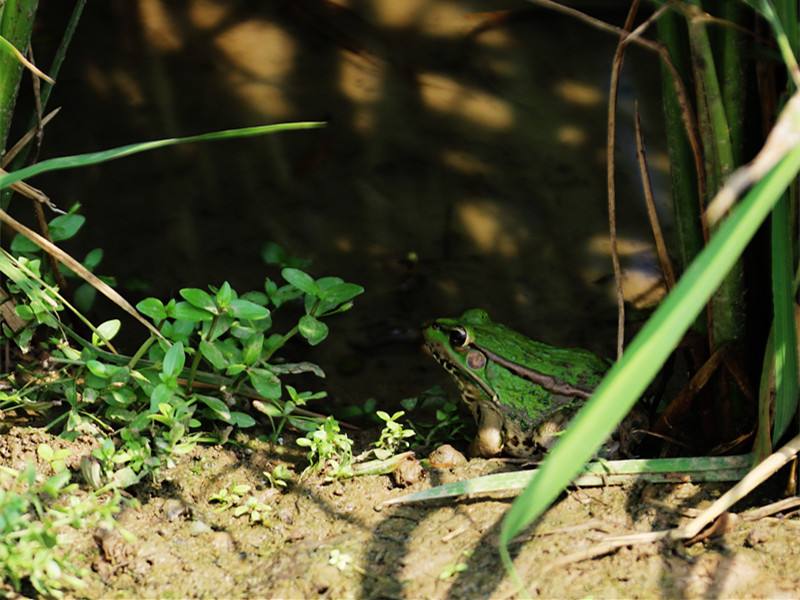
x=463, y=165
x=183, y=547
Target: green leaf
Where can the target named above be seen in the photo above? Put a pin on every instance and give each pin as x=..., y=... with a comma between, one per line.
x=24, y=312
x=312, y=329
x=153, y=308
x=341, y=292
x=121, y=398
x=252, y=350
x=106, y=332
x=242, y=420
x=273, y=254
x=99, y=369
x=63, y=227
x=266, y=383
x=259, y=298
x=199, y=299
x=187, y=312
x=45, y=452
x=56, y=483
x=213, y=355
x=93, y=259
x=84, y=297
x=225, y=295
x=174, y=360
x=217, y=406
x=248, y=311
x=301, y=280
x=20, y=245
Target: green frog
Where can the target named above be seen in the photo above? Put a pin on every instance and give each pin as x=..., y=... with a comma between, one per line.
x=522, y=393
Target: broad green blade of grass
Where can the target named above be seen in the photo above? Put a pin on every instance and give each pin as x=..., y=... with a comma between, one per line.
x=92, y=158
x=613, y=472
x=784, y=325
x=629, y=377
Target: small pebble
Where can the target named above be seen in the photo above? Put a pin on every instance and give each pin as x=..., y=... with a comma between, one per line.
x=445, y=457
x=756, y=537
x=198, y=527
x=221, y=541
x=408, y=472
x=173, y=509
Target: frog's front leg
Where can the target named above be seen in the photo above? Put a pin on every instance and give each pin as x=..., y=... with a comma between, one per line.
x=489, y=440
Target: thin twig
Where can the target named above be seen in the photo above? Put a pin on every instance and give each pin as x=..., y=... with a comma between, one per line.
x=25, y=139
x=770, y=509
x=616, y=67
x=652, y=215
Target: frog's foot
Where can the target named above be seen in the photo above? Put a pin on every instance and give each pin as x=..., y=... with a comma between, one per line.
x=489, y=440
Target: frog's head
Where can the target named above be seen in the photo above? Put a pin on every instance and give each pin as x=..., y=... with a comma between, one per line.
x=450, y=341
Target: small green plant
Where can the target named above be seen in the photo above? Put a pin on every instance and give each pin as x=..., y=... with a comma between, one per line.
x=235, y=498
x=279, y=477
x=226, y=498
x=455, y=567
x=394, y=437
x=256, y=510
x=34, y=514
x=54, y=458
x=329, y=450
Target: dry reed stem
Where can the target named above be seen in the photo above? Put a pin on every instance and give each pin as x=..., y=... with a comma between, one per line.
x=616, y=67
x=647, y=187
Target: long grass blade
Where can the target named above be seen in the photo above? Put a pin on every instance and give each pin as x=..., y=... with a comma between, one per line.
x=93, y=158
x=613, y=472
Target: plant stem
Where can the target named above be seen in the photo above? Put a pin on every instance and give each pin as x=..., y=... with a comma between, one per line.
x=728, y=323
x=198, y=355
x=140, y=352
x=685, y=203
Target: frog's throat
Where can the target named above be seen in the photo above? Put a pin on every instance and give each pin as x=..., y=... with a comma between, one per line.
x=546, y=381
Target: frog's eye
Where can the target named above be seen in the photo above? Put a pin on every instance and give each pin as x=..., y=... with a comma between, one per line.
x=458, y=337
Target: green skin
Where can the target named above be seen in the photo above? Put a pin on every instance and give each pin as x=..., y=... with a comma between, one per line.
x=521, y=392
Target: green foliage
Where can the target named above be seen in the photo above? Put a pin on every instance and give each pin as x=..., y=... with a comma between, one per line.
x=217, y=344
x=394, y=437
x=35, y=513
x=279, y=477
x=329, y=450
x=235, y=498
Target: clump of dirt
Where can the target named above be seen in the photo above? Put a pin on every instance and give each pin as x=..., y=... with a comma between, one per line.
x=332, y=539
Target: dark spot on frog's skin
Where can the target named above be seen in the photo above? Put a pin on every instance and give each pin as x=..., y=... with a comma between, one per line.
x=529, y=443
x=513, y=441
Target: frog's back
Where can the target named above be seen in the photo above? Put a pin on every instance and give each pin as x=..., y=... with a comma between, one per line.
x=576, y=366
